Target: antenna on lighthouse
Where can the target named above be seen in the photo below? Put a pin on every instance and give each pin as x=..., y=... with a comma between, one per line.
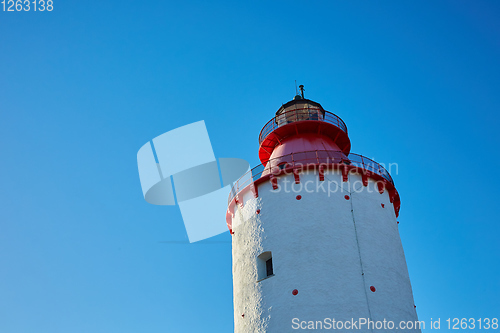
x=301, y=87
x=296, y=90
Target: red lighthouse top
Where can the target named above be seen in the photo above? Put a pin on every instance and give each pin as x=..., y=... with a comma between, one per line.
x=303, y=136
x=302, y=125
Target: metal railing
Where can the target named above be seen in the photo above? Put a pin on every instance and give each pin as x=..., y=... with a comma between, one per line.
x=302, y=114
x=305, y=159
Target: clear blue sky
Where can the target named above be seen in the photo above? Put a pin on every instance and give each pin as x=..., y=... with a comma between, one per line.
x=82, y=88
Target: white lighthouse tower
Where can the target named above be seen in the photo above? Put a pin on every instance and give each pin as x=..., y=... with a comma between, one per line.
x=315, y=237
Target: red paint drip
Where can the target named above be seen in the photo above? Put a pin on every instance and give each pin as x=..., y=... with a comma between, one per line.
x=243, y=316
x=372, y=288
x=346, y=197
x=258, y=211
x=295, y=292
x=298, y=197
x=382, y=205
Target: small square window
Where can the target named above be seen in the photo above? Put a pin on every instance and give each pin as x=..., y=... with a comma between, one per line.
x=264, y=266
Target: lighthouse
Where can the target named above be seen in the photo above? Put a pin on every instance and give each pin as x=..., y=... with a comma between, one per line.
x=315, y=240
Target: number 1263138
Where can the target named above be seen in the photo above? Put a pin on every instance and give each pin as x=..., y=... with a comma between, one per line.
x=27, y=5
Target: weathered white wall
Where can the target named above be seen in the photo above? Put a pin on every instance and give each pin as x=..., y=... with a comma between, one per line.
x=328, y=248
